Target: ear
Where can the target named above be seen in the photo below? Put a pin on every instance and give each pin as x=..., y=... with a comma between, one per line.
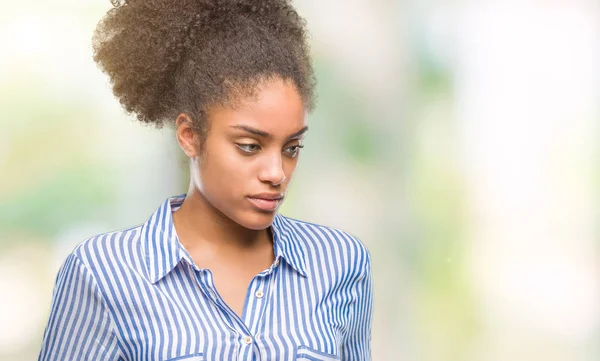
x=187, y=137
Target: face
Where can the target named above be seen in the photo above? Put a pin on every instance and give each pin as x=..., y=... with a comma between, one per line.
x=249, y=154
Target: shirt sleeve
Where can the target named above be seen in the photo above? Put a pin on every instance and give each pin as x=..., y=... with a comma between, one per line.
x=79, y=326
x=358, y=343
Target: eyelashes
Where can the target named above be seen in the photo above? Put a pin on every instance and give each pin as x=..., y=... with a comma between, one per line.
x=250, y=148
x=295, y=150
x=253, y=148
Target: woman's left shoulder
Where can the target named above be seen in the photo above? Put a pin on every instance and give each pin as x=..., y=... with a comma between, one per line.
x=322, y=239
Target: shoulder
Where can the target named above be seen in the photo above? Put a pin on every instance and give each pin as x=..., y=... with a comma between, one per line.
x=103, y=250
x=331, y=244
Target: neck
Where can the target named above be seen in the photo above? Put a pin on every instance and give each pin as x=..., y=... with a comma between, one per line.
x=199, y=225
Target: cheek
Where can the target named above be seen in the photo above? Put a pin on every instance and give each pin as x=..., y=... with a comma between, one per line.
x=289, y=167
x=224, y=174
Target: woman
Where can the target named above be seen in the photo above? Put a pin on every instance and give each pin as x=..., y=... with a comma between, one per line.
x=216, y=274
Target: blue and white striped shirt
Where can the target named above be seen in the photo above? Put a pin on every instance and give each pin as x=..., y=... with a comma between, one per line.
x=137, y=295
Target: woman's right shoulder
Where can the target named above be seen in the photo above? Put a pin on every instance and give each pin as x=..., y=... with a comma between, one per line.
x=110, y=248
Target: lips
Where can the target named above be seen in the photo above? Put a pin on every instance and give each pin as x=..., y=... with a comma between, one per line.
x=266, y=201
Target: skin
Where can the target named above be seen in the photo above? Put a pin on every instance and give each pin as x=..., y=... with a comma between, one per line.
x=217, y=223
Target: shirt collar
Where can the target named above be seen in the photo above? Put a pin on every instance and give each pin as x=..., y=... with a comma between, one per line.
x=287, y=244
x=163, y=251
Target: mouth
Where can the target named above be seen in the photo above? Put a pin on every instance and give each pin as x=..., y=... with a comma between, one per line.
x=266, y=202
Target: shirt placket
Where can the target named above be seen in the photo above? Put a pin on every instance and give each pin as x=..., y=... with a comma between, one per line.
x=248, y=327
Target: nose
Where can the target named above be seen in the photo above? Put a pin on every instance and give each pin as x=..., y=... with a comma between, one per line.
x=272, y=170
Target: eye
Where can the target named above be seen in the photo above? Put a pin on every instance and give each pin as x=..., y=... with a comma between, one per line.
x=248, y=148
x=293, y=150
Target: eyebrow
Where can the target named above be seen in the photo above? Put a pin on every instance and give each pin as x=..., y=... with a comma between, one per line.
x=264, y=134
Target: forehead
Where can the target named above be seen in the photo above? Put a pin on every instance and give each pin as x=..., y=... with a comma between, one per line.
x=275, y=107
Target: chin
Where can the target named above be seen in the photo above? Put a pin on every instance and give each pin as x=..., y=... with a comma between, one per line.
x=256, y=220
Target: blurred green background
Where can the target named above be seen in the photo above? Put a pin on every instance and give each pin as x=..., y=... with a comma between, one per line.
x=458, y=140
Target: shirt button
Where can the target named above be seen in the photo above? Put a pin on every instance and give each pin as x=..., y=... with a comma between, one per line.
x=259, y=294
x=248, y=340
x=277, y=262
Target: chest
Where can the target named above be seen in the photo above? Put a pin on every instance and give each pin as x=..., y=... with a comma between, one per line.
x=231, y=278
x=235, y=285
x=285, y=317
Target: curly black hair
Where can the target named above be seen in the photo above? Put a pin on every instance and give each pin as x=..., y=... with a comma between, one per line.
x=166, y=57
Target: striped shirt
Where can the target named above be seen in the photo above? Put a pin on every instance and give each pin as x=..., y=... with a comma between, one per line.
x=138, y=295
